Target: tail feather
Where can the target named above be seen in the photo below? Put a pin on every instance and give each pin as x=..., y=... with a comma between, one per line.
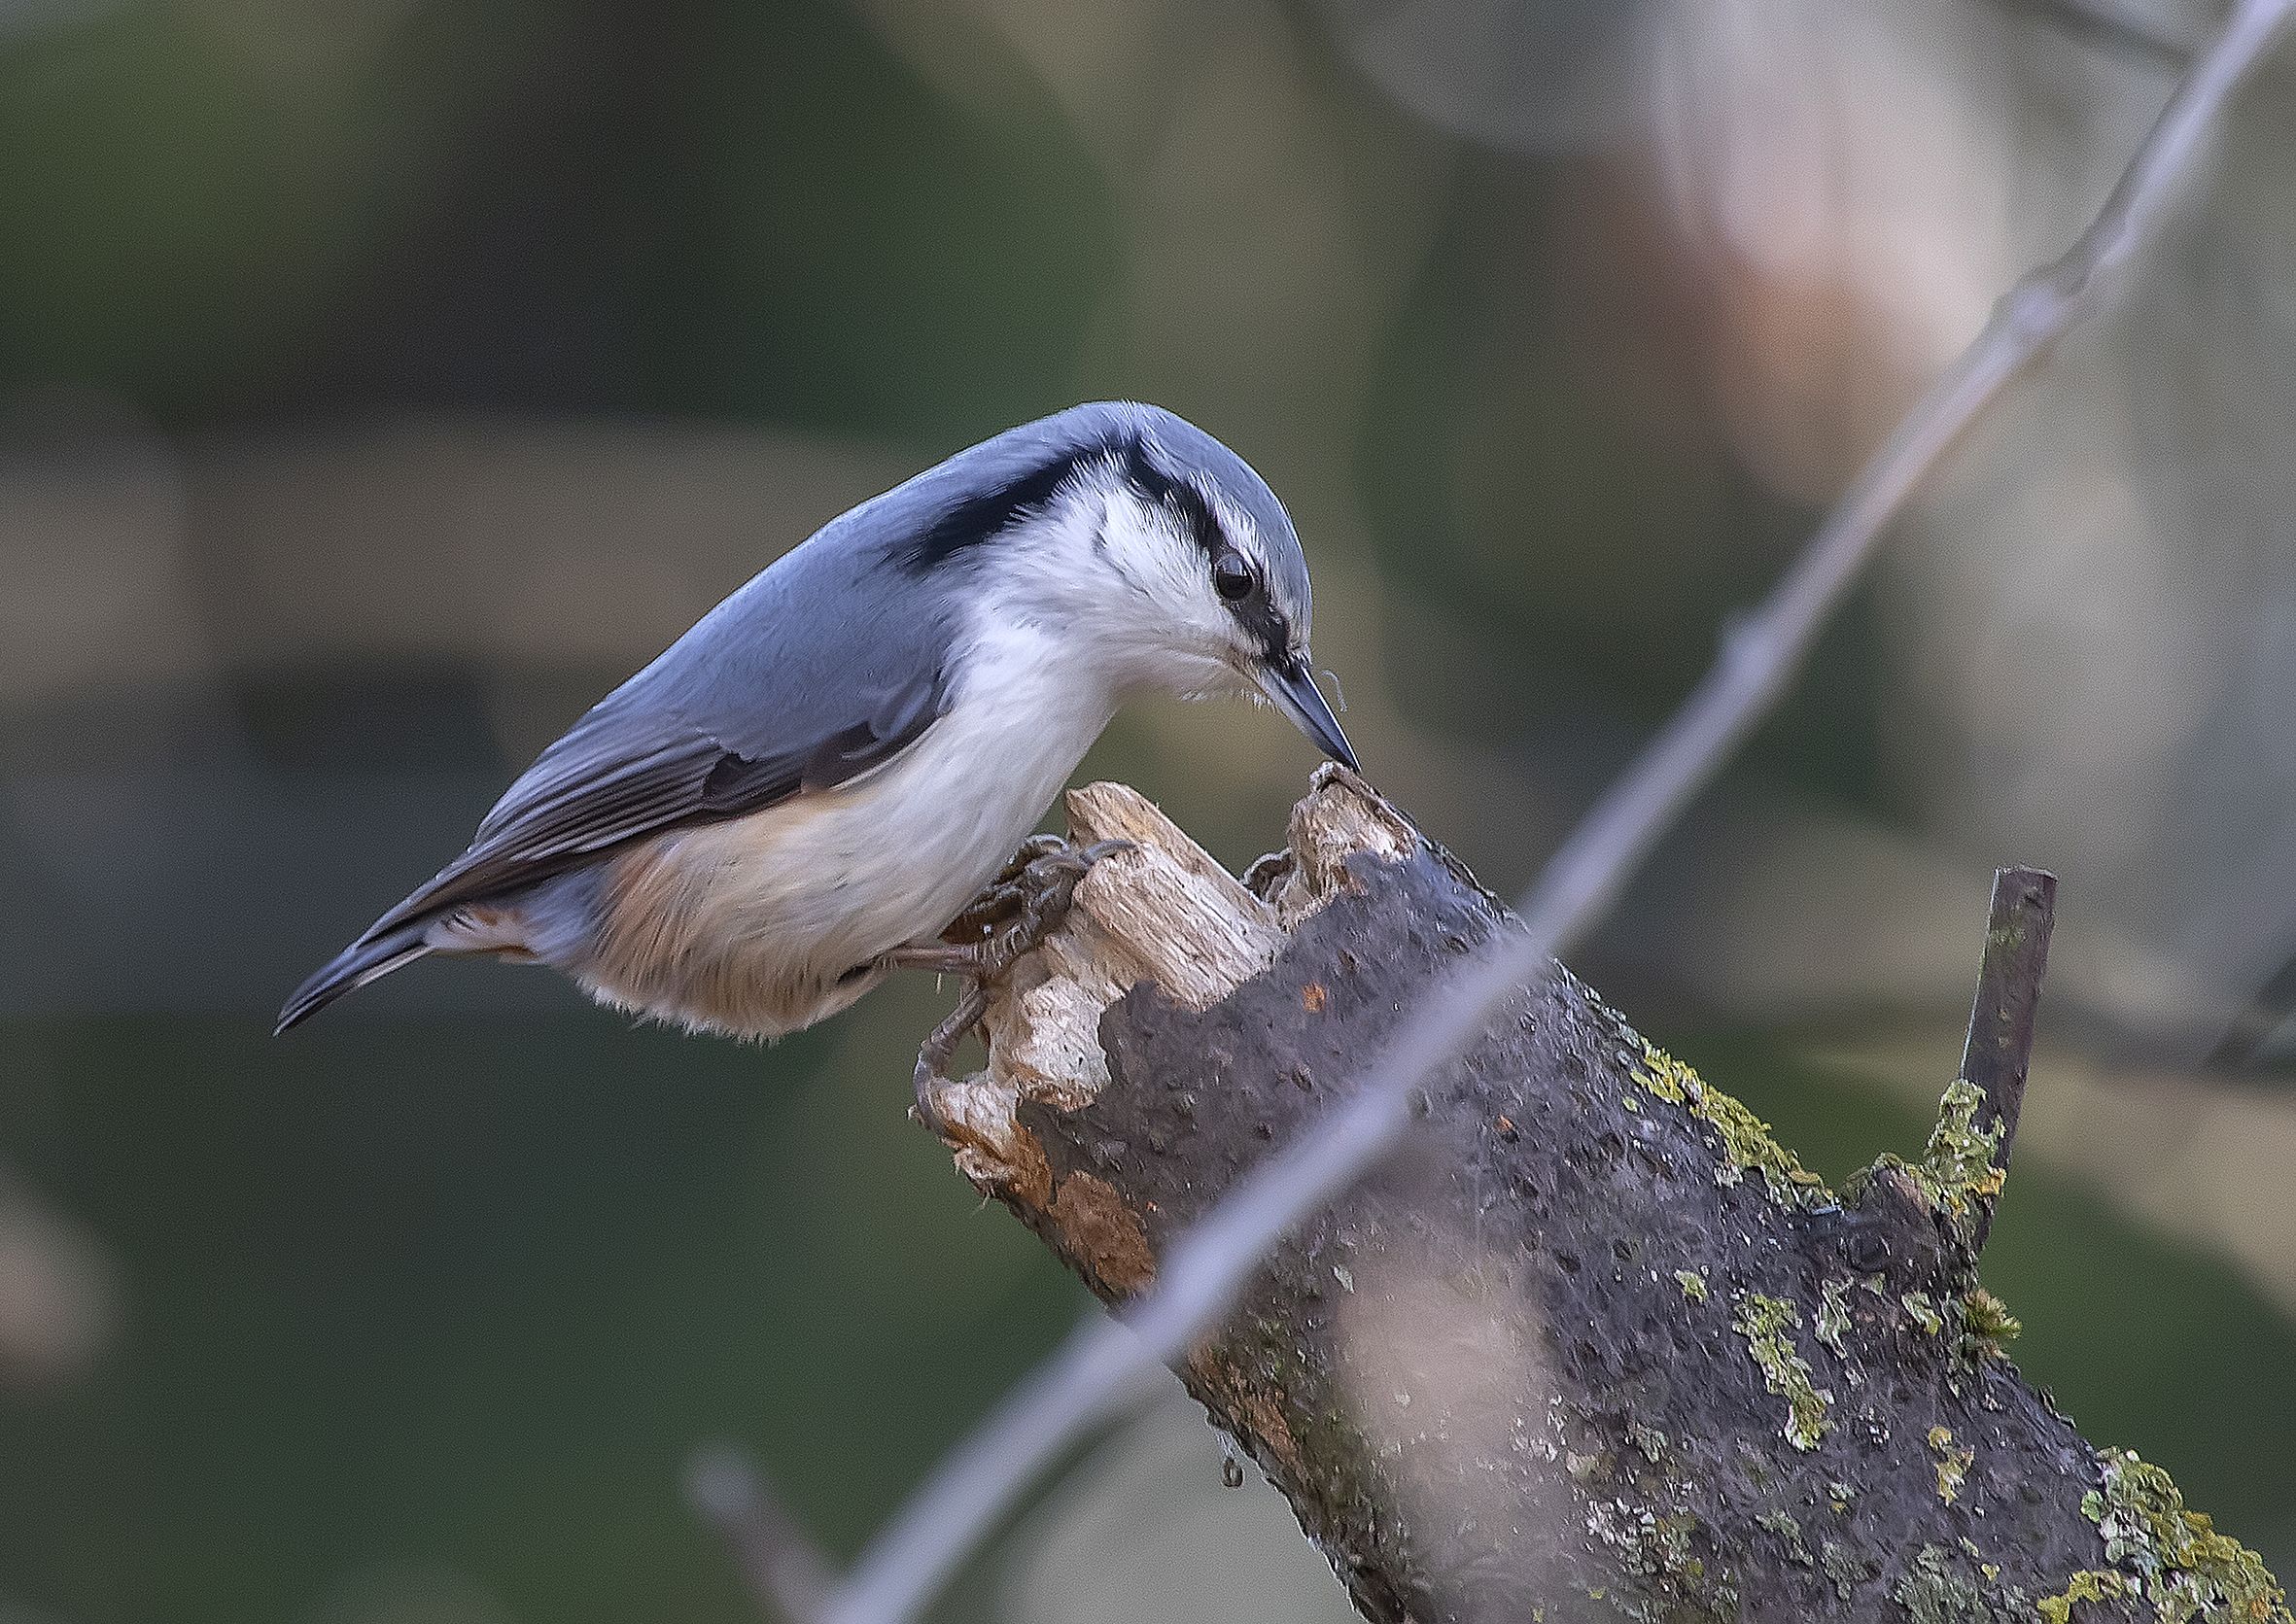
x=362, y=961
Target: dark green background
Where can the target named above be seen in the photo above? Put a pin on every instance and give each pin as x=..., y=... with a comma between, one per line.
x=455, y=1278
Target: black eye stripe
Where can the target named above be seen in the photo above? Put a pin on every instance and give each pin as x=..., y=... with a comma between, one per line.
x=1181, y=496
x=1263, y=622
x=1255, y=610
x=1203, y=523
x=988, y=514
x=983, y=517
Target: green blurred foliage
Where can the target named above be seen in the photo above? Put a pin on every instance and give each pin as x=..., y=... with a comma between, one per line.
x=458, y=1297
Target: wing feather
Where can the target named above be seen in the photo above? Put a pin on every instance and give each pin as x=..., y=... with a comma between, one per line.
x=626, y=771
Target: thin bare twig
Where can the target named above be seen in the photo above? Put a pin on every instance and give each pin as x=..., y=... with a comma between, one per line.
x=1999, y=1048
x=2116, y=25
x=782, y=1569
x=1105, y=1359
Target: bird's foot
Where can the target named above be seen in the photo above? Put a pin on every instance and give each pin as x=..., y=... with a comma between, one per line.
x=1033, y=895
x=1014, y=915
x=939, y=1048
x=1011, y=918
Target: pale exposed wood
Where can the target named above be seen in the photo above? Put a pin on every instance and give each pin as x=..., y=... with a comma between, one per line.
x=1164, y=911
x=1341, y=817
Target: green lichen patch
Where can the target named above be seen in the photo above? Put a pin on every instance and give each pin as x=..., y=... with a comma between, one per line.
x=1784, y=1526
x=2182, y=1566
x=1840, y=1496
x=1931, y=1592
x=1844, y=1567
x=1956, y=1165
x=1746, y=1142
x=1662, y=1548
x=1648, y=1439
x=1987, y=1324
x=1692, y=1284
x=1922, y=1311
x=1956, y=1175
x=1768, y=1324
x=1833, y=1314
x=2090, y=1584
x=1661, y=1074
x=1953, y=1463
x=1669, y=1545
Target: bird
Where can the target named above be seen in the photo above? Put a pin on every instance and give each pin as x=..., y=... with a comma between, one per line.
x=806, y=789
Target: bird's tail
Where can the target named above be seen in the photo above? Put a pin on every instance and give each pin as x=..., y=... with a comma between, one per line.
x=367, y=959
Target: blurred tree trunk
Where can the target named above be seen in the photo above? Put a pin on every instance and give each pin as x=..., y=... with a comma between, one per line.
x=1593, y=1345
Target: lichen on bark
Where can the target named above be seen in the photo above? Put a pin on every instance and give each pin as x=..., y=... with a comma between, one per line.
x=1768, y=1325
x=2179, y=1562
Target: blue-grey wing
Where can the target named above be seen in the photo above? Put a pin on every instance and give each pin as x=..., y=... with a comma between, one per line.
x=649, y=758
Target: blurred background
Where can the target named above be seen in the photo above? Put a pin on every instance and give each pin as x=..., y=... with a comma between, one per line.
x=381, y=380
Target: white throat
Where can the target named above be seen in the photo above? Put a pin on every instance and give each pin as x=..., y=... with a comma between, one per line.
x=1121, y=599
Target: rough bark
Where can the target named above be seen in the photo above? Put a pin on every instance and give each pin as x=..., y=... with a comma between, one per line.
x=1593, y=1345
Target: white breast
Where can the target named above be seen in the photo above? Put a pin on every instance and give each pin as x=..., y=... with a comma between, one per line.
x=898, y=853
x=756, y=926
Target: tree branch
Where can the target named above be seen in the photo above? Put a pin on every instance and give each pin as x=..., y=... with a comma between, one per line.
x=1592, y=1343
x=1199, y=1274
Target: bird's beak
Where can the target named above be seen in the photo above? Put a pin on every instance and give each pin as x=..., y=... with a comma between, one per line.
x=1293, y=691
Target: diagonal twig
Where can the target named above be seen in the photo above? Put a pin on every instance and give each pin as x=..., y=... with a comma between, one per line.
x=1105, y=1359
x=784, y=1571
x=2115, y=25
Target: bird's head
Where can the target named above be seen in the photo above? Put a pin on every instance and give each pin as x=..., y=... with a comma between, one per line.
x=1163, y=557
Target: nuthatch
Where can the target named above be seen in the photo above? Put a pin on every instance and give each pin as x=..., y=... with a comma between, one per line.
x=810, y=785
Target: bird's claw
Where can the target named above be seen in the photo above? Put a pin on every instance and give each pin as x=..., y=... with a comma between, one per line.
x=1046, y=867
x=1010, y=920
x=1046, y=889
x=939, y=1049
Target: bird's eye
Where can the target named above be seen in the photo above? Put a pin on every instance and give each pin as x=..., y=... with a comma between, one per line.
x=1233, y=578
